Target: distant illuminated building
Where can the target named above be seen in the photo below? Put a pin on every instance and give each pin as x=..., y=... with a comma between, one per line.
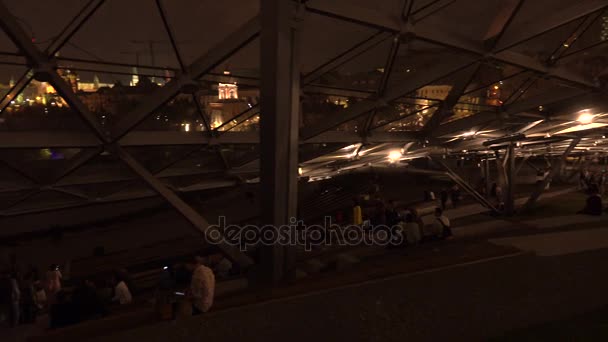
x=227, y=91
x=134, y=78
x=96, y=82
x=604, y=31
x=435, y=92
x=493, y=96
x=70, y=77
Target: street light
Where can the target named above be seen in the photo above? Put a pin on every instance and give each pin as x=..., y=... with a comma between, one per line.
x=585, y=117
x=394, y=156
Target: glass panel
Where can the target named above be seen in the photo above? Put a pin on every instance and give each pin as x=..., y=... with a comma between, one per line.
x=443, y=16
x=462, y=111
x=105, y=167
x=205, y=159
x=39, y=107
x=545, y=45
x=9, y=75
x=101, y=190
x=416, y=58
x=201, y=25
x=130, y=32
x=156, y=158
x=591, y=62
x=12, y=179
x=592, y=31
x=180, y=114
x=9, y=199
x=493, y=84
x=308, y=153
x=238, y=155
x=189, y=182
x=227, y=111
x=45, y=199
x=412, y=122
x=323, y=38
x=542, y=86
x=43, y=21
x=6, y=45
x=363, y=72
x=243, y=63
x=400, y=109
x=317, y=107
x=243, y=123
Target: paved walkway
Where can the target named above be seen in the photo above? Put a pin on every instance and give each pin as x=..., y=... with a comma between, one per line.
x=476, y=208
x=560, y=243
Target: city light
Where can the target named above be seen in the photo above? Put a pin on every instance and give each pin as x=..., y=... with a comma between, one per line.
x=394, y=156
x=469, y=134
x=187, y=127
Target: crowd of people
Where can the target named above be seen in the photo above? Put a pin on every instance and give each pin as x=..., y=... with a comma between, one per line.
x=24, y=294
x=25, y=297
x=412, y=227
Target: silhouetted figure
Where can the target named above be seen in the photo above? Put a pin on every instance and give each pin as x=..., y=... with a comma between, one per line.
x=379, y=216
x=455, y=195
x=594, y=205
x=444, y=198
x=62, y=313
x=357, y=213
x=86, y=301
x=28, y=304
x=392, y=216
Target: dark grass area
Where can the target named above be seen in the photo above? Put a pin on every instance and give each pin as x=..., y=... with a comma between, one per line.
x=591, y=326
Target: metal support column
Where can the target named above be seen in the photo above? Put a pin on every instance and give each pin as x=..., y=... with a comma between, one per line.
x=501, y=180
x=510, y=170
x=280, y=91
x=488, y=177
x=542, y=185
x=464, y=185
x=232, y=252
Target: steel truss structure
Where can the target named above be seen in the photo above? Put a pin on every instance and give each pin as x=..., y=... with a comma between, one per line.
x=415, y=76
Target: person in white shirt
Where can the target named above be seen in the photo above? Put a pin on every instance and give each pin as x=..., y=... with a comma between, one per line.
x=441, y=225
x=202, y=286
x=121, y=291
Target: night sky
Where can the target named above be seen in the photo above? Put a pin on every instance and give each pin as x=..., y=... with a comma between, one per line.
x=200, y=24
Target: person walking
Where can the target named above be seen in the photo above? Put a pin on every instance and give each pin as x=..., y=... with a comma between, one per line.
x=53, y=282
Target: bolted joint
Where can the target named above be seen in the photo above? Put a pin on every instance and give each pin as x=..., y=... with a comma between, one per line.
x=488, y=57
x=110, y=148
x=407, y=36
x=381, y=103
x=188, y=86
x=43, y=72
